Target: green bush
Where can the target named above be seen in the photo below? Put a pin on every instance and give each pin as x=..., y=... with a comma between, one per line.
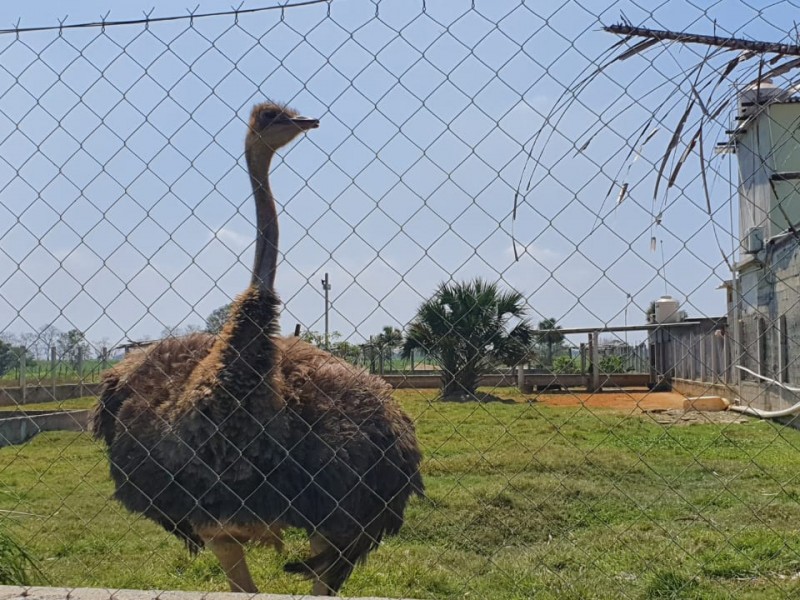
x=14, y=562
x=564, y=365
x=612, y=364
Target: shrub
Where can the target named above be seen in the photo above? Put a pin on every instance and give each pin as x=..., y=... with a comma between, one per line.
x=564, y=365
x=612, y=364
x=14, y=562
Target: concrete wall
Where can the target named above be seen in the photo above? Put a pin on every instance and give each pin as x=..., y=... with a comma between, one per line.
x=688, y=387
x=770, y=313
x=532, y=380
x=35, y=394
x=748, y=393
x=16, y=429
x=696, y=350
x=766, y=397
x=768, y=330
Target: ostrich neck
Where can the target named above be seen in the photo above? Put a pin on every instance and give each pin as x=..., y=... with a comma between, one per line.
x=266, y=258
x=238, y=369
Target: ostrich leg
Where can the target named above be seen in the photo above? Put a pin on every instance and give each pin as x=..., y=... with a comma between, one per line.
x=230, y=554
x=318, y=545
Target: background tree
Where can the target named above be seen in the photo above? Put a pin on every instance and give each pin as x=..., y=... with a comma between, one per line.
x=549, y=337
x=71, y=345
x=650, y=313
x=338, y=347
x=386, y=342
x=346, y=350
x=8, y=357
x=467, y=329
x=216, y=320
x=11, y=355
x=98, y=346
x=48, y=336
x=317, y=339
x=32, y=344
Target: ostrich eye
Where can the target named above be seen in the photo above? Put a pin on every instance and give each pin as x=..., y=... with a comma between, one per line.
x=267, y=117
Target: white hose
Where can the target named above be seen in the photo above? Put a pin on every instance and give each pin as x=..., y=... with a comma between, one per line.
x=768, y=414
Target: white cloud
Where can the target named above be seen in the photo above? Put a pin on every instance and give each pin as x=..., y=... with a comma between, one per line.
x=233, y=240
x=542, y=254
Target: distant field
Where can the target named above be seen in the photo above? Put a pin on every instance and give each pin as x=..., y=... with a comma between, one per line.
x=71, y=404
x=39, y=373
x=526, y=500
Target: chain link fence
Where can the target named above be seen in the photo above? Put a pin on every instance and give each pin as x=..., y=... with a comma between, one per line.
x=532, y=230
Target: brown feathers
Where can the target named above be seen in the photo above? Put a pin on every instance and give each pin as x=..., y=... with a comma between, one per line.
x=156, y=374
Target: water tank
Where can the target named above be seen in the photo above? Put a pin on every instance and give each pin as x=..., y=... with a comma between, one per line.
x=667, y=310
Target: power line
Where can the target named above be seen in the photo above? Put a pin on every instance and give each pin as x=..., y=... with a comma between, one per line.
x=147, y=19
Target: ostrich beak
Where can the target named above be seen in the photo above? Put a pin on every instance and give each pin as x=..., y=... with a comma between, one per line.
x=305, y=123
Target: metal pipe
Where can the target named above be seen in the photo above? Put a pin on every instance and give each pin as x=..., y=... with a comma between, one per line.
x=768, y=414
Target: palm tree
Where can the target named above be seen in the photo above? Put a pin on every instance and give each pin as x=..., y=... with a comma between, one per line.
x=549, y=335
x=467, y=329
x=386, y=341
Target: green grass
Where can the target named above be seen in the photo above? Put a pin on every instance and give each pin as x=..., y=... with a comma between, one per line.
x=71, y=404
x=525, y=501
x=15, y=564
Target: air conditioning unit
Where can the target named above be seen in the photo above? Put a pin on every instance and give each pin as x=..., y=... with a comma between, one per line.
x=753, y=240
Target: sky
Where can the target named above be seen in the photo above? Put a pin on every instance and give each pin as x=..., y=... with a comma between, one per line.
x=125, y=206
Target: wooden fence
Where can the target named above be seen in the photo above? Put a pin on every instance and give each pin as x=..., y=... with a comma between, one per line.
x=700, y=351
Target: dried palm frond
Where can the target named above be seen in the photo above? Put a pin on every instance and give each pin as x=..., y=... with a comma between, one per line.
x=704, y=105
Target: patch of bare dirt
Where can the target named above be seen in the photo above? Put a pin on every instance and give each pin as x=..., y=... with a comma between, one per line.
x=620, y=400
x=665, y=408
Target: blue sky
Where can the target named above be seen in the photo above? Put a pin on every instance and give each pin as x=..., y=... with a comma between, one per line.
x=125, y=207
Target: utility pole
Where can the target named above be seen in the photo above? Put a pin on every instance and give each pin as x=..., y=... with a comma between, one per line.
x=326, y=287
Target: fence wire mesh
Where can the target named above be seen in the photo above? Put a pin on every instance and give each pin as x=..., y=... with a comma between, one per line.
x=551, y=248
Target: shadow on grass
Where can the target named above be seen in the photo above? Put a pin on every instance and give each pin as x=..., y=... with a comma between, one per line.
x=481, y=397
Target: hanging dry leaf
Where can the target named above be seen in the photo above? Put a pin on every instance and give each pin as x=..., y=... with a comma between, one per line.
x=622, y=192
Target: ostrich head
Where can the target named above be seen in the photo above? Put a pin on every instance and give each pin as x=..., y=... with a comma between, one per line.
x=272, y=126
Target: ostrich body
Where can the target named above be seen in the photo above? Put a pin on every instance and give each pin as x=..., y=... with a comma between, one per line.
x=229, y=439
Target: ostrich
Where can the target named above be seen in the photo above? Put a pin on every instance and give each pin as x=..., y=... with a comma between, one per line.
x=229, y=439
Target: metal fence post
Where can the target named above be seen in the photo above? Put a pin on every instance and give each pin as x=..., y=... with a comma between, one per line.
x=23, y=371
x=582, y=351
x=53, y=370
x=595, y=350
x=79, y=369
